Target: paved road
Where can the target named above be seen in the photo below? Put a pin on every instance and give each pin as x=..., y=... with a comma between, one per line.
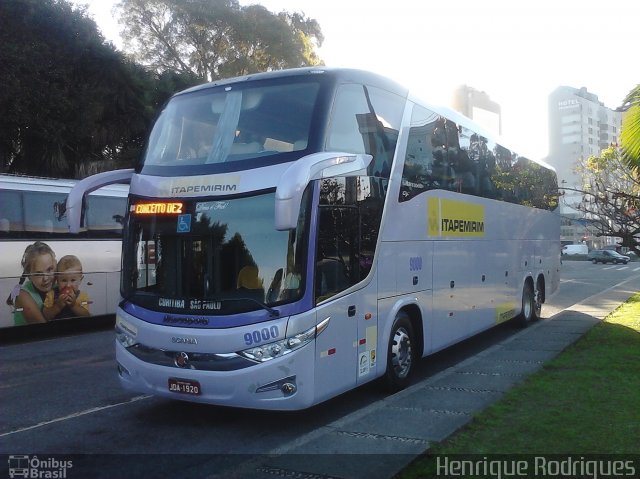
x=61, y=396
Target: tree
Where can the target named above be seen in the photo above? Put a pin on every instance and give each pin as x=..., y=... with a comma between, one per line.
x=611, y=197
x=212, y=39
x=630, y=134
x=68, y=98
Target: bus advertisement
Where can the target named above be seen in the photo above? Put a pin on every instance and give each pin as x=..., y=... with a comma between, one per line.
x=294, y=234
x=46, y=273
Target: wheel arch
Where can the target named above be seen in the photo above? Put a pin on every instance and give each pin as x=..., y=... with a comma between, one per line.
x=528, y=280
x=415, y=316
x=409, y=306
x=404, y=346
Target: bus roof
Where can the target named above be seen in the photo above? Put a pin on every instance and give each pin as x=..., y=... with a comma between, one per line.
x=342, y=74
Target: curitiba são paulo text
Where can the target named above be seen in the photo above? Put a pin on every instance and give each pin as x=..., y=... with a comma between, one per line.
x=536, y=467
x=462, y=226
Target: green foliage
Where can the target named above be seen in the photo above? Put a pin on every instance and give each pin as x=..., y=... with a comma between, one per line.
x=63, y=90
x=630, y=134
x=71, y=104
x=611, y=197
x=214, y=39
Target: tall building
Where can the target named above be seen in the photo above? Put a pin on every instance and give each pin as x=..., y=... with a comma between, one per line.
x=479, y=107
x=579, y=126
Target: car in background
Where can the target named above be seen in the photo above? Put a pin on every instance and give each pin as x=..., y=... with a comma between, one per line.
x=607, y=256
x=572, y=249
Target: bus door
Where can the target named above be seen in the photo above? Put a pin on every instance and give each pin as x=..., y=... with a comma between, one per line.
x=334, y=271
x=348, y=224
x=344, y=351
x=336, y=351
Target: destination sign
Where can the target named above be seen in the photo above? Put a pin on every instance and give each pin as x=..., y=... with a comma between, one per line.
x=163, y=208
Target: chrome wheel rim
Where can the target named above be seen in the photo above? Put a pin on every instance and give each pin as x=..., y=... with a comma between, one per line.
x=401, y=353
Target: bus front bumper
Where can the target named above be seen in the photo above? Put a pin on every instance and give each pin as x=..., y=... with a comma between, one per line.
x=284, y=383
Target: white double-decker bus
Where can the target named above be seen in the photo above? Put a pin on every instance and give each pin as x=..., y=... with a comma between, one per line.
x=291, y=235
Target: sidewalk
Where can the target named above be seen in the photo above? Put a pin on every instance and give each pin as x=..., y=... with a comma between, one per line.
x=381, y=439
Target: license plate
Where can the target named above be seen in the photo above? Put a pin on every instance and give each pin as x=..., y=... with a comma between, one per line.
x=184, y=386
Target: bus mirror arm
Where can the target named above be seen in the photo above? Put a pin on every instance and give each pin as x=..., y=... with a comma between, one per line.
x=77, y=195
x=313, y=167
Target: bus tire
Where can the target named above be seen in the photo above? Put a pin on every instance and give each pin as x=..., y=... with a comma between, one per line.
x=400, y=353
x=531, y=305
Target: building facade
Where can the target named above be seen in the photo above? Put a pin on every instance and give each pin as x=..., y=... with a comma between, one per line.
x=579, y=126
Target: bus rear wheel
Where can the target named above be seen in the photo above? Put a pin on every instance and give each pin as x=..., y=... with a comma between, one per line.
x=531, y=305
x=400, y=353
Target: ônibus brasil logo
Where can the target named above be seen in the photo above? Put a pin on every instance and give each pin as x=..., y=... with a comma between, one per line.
x=36, y=468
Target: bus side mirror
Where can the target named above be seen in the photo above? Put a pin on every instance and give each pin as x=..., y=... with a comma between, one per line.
x=77, y=195
x=313, y=167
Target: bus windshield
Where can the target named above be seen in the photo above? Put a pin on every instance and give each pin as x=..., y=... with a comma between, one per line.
x=232, y=260
x=228, y=124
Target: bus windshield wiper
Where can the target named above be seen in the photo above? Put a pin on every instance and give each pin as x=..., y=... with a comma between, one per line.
x=274, y=313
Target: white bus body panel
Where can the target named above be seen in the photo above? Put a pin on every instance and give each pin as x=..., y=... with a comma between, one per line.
x=478, y=281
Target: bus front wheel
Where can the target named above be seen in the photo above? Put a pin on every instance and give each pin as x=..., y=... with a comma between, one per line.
x=400, y=353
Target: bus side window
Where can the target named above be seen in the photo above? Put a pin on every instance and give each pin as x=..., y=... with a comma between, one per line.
x=105, y=215
x=11, y=216
x=338, y=245
x=366, y=119
x=343, y=130
x=418, y=171
x=40, y=214
x=350, y=213
x=463, y=178
x=480, y=162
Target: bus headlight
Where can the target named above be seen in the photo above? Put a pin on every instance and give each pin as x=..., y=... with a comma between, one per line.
x=284, y=346
x=126, y=332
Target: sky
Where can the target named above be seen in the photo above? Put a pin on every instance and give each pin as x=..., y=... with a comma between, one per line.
x=517, y=52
